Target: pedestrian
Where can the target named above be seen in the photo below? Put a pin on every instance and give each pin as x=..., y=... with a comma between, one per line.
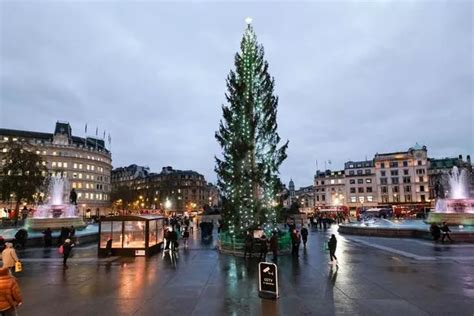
x=325, y=222
x=168, y=238
x=2, y=243
x=263, y=247
x=108, y=246
x=10, y=294
x=332, y=244
x=67, y=248
x=295, y=243
x=274, y=245
x=248, y=246
x=48, y=237
x=445, y=230
x=320, y=221
x=9, y=257
x=186, y=236
x=304, y=236
x=435, y=231
x=21, y=237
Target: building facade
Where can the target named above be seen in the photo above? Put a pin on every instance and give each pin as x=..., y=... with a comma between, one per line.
x=402, y=177
x=172, y=190
x=360, y=184
x=329, y=189
x=85, y=162
x=305, y=198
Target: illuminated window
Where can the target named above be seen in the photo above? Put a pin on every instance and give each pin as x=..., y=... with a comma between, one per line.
x=74, y=185
x=80, y=166
x=80, y=175
x=353, y=199
x=54, y=153
x=74, y=165
x=332, y=181
x=79, y=185
x=361, y=199
x=53, y=164
x=370, y=198
x=60, y=164
x=65, y=164
x=92, y=167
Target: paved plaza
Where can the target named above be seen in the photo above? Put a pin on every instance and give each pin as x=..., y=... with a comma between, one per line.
x=376, y=276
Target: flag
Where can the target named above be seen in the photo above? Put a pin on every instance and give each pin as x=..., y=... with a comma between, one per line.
x=329, y=161
x=85, y=129
x=104, y=135
x=97, y=131
x=110, y=139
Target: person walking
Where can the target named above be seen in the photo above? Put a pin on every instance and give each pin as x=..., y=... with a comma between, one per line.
x=10, y=294
x=263, y=247
x=304, y=236
x=186, y=236
x=21, y=237
x=48, y=237
x=445, y=230
x=67, y=248
x=435, y=231
x=295, y=242
x=248, y=246
x=332, y=244
x=9, y=257
x=274, y=245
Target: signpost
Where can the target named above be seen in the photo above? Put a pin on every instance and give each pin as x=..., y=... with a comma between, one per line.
x=267, y=280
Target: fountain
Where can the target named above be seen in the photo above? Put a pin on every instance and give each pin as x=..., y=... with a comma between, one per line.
x=458, y=208
x=56, y=213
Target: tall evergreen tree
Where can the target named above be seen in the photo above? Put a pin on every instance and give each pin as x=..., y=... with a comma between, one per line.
x=247, y=172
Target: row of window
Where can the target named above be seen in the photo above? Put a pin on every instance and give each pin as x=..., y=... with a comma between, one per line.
x=359, y=172
x=397, y=198
x=406, y=188
x=396, y=180
x=86, y=185
x=360, y=181
x=92, y=196
x=396, y=164
x=361, y=190
x=332, y=181
x=362, y=199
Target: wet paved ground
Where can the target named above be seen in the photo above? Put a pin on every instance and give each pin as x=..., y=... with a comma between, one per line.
x=376, y=276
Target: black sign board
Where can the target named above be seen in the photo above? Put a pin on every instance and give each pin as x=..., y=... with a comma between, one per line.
x=268, y=280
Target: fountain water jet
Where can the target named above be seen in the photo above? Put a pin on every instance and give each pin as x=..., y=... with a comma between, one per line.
x=56, y=213
x=458, y=208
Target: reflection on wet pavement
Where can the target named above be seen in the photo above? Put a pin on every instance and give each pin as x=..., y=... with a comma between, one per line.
x=368, y=281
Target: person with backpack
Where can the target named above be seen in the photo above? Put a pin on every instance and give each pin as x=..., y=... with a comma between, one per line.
x=66, y=249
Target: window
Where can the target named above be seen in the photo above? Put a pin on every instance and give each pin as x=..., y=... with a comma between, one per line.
x=382, y=173
x=394, y=172
x=92, y=167
x=395, y=180
x=420, y=163
x=80, y=166
x=384, y=189
x=332, y=181
x=405, y=163
x=405, y=172
x=422, y=188
x=423, y=198
x=370, y=198
x=367, y=171
x=396, y=189
x=420, y=178
x=369, y=189
x=384, y=198
x=353, y=190
x=359, y=172
x=74, y=185
x=407, y=198
x=361, y=199
x=322, y=182
x=339, y=181
x=393, y=164
x=360, y=181
x=74, y=165
x=351, y=172
x=368, y=180
x=352, y=181
x=60, y=164
x=53, y=164
x=323, y=198
x=88, y=167
x=407, y=188
x=406, y=179
x=317, y=198
x=383, y=181
x=396, y=198
x=353, y=199
x=382, y=165
x=420, y=171
x=360, y=190
x=80, y=175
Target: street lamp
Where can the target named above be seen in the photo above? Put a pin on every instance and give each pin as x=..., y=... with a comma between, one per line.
x=167, y=203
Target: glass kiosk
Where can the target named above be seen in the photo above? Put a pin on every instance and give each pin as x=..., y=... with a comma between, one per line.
x=131, y=235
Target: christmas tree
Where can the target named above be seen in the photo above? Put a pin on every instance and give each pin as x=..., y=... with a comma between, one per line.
x=247, y=172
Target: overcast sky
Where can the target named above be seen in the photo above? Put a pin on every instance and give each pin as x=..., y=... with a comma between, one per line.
x=353, y=78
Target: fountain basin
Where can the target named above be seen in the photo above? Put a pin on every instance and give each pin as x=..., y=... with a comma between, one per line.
x=55, y=223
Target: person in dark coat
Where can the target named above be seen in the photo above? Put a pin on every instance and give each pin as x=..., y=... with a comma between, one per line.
x=445, y=230
x=263, y=247
x=274, y=245
x=21, y=237
x=248, y=247
x=295, y=243
x=48, y=237
x=435, y=231
x=73, y=197
x=168, y=238
x=304, y=235
x=108, y=246
x=67, y=248
x=332, y=244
